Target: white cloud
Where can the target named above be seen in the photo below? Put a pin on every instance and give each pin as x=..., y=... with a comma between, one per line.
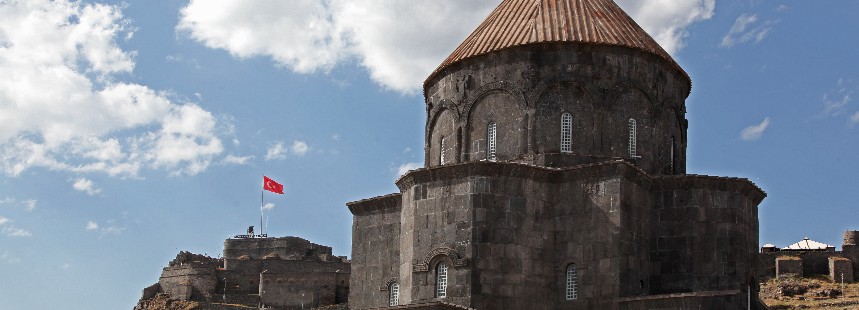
x=404, y=168
x=299, y=147
x=855, y=118
x=396, y=41
x=667, y=21
x=62, y=107
x=835, y=101
x=276, y=151
x=103, y=230
x=236, y=160
x=7, y=200
x=85, y=185
x=30, y=204
x=755, y=132
x=91, y=226
x=268, y=206
x=745, y=30
x=8, y=229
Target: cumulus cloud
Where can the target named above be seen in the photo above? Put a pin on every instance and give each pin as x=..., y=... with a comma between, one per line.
x=276, y=151
x=85, y=185
x=404, y=168
x=299, y=147
x=62, y=106
x=8, y=229
x=91, y=226
x=279, y=150
x=755, y=132
x=396, y=41
x=746, y=29
x=667, y=21
x=236, y=160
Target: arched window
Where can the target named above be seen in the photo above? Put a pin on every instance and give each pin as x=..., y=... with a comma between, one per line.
x=441, y=280
x=441, y=151
x=491, y=139
x=632, y=139
x=566, y=133
x=572, y=282
x=394, y=294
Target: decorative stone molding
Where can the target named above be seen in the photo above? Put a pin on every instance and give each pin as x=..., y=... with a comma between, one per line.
x=484, y=90
x=387, y=286
x=456, y=259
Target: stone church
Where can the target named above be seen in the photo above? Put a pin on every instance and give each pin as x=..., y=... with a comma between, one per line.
x=555, y=178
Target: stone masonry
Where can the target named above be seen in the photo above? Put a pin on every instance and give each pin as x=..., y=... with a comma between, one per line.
x=279, y=273
x=555, y=179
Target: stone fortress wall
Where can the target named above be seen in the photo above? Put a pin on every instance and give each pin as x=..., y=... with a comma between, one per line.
x=837, y=265
x=281, y=273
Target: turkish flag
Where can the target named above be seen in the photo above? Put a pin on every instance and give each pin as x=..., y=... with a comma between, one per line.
x=271, y=186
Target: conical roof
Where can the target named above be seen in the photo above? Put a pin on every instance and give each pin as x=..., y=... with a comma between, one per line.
x=523, y=22
x=808, y=244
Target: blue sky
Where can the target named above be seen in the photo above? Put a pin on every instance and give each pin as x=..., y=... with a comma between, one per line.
x=132, y=130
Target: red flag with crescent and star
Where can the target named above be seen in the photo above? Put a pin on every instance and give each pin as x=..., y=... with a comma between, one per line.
x=271, y=186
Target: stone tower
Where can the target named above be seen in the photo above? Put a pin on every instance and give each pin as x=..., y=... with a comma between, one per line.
x=532, y=62
x=555, y=179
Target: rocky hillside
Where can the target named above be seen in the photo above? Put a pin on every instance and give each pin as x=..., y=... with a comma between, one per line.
x=809, y=293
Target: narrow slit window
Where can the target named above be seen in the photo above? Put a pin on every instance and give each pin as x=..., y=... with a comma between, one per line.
x=633, y=152
x=394, y=298
x=491, y=139
x=572, y=282
x=566, y=133
x=441, y=151
x=441, y=280
x=673, y=154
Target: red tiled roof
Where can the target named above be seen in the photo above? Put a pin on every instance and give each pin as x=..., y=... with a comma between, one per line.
x=523, y=22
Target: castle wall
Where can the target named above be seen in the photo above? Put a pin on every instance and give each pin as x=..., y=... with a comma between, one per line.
x=840, y=270
x=298, y=290
x=286, y=247
x=525, y=90
x=375, y=250
x=186, y=282
x=705, y=234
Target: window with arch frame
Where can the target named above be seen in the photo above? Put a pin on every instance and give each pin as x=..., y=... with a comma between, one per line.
x=566, y=133
x=633, y=139
x=441, y=280
x=491, y=141
x=394, y=294
x=572, y=282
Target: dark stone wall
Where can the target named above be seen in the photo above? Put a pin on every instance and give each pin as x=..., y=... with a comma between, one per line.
x=525, y=91
x=787, y=265
x=509, y=231
x=705, y=234
x=298, y=290
x=375, y=250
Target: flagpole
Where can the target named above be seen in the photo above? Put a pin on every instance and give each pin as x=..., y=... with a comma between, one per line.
x=261, y=204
